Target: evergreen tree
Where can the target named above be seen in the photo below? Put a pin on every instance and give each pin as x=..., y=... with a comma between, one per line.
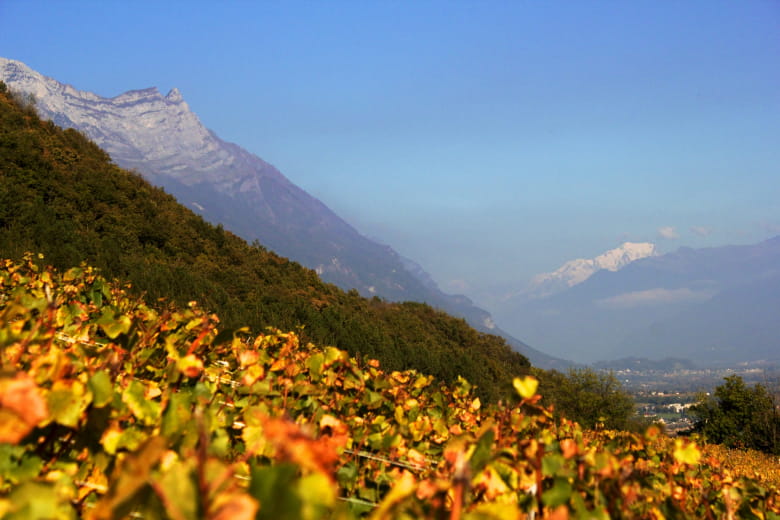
x=739, y=416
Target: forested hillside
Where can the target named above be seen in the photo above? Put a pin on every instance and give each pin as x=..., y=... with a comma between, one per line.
x=60, y=195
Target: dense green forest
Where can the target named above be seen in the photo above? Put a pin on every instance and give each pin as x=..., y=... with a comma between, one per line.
x=60, y=195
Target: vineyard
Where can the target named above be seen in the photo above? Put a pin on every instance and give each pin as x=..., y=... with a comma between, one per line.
x=112, y=408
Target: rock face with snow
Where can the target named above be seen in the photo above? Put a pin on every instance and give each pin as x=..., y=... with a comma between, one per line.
x=141, y=129
x=577, y=271
x=160, y=137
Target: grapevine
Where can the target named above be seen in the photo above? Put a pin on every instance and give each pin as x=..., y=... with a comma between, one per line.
x=111, y=408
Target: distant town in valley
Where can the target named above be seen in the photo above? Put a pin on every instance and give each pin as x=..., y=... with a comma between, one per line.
x=665, y=390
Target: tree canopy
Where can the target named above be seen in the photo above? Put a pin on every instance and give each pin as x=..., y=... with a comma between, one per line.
x=740, y=416
x=589, y=397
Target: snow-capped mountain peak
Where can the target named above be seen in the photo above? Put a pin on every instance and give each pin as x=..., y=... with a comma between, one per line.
x=626, y=253
x=577, y=271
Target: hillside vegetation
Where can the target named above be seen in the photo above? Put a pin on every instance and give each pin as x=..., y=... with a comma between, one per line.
x=111, y=408
x=61, y=196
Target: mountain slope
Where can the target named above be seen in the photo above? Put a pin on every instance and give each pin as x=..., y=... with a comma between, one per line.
x=60, y=195
x=160, y=137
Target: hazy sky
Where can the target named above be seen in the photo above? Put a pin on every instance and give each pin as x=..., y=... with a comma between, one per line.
x=489, y=141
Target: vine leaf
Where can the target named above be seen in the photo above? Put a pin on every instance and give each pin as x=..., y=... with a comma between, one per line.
x=526, y=386
x=21, y=407
x=67, y=401
x=686, y=453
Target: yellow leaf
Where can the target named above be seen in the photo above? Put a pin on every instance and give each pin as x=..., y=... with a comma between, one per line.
x=490, y=483
x=190, y=365
x=689, y=454
x=526, y=386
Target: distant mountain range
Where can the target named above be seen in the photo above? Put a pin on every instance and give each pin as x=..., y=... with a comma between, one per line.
x=161, y=138
x=715, y=306
x=577, y=271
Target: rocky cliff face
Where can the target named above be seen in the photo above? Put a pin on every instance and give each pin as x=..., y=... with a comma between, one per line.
x=157, y=135
x=160, y=137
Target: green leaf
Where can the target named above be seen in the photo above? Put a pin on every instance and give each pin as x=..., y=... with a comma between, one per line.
x=495, y=511
x=314, y=363
x=180, y=490
x=552, y=464
x=102, y=388
x=130, y=478
x=373, y=399
x=72, y=273
x=483, y=451
x=317, y=496
x=116, y=439
x=17, y=464
x=558, y=494
x=332, y=354
x=346, y=475
x=178, y=414
x=114, y=324
x=96, y=292
x=67, y=401
x=274, y=488
x=146, y=410
x=33, y=500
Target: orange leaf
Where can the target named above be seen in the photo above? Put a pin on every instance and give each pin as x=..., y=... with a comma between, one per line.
x=569, y=448
x=21, y=399
x=559, y=513
x=293, y=444
x=236, y=507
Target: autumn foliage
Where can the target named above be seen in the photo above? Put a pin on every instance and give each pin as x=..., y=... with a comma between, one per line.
x=112, y=408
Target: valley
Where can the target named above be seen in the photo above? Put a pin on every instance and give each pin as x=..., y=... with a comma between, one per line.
x=666, y=395
x=694, y=380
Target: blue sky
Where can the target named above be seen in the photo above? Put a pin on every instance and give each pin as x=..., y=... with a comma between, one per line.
x=489, y=141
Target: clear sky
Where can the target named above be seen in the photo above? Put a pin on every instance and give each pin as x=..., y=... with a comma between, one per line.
x=487, y=140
